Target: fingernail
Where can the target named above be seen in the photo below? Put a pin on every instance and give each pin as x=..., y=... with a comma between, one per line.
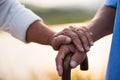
x=68, y=39
x=60, y=73
x=59, y=70
x=82, y=49
x=88, y=48
x=73, y=64
x=91, y=43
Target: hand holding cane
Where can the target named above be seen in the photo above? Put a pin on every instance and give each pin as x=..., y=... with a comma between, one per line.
x=67, y=69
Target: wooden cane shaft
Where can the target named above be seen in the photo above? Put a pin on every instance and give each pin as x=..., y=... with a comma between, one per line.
x=67, y=69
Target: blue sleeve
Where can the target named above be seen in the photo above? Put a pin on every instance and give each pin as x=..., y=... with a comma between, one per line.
x=112, y=3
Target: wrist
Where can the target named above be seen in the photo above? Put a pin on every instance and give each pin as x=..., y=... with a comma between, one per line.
x=40, y=33
x=96, y=32
x=50, y=38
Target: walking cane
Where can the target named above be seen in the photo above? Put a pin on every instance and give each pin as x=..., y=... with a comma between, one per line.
x=67, y=69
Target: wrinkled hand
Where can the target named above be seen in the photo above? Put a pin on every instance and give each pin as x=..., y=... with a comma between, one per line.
x=75, y=40
x=76, y=59
x=81, y=37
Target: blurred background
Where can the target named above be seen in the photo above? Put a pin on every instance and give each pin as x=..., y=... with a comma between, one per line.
x=21, y=61
x=61, y=11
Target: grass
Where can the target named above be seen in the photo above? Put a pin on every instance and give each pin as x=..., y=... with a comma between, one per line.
x=52, y=75
x=34, y=75
x=54, y=16
x=76, y=74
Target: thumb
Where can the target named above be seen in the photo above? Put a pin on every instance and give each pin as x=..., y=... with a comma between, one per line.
x=77, y=59
x=59, y=40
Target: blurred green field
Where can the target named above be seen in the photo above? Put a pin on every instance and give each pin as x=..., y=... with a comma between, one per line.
x=54, y=16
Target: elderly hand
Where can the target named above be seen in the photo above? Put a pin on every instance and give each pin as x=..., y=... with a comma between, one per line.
x=77, y=57
x=81, y=37
x=81, y=40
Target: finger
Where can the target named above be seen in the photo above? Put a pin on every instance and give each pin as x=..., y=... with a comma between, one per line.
x=84, y=39
x=63, y=51
x=89, y=36
x=59, y=33
x=75, y=38
x=59, y=40
x=82, y=36
x=77, y=59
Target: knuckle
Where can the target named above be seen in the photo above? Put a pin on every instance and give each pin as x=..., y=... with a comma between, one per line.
x=84, y=28
x=73, y=27
x=75, y=37
x=84, y=39
x=87, y=34
x=80, y=33
x=72, y=34
x=55, y=46
x=54, y=40
x=66, y=29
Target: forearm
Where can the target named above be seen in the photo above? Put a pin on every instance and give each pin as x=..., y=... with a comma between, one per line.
x=40, y=33
x=102, y=24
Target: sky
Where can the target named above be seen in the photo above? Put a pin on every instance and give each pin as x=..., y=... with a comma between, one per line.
x=63, y=3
